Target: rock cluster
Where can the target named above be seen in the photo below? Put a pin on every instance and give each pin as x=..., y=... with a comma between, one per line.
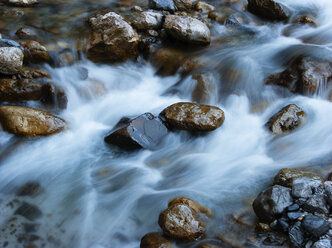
x=298, y=205
x=182, y=221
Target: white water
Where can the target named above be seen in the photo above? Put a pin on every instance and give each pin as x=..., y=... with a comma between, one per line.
x=98, y=197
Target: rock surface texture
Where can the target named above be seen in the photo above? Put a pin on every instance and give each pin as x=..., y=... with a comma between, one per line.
x=193, y=117
x=24, y=121
x=268, y=9
x=11, y=60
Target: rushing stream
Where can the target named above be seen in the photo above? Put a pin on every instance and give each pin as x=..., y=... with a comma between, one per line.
x=97, y=196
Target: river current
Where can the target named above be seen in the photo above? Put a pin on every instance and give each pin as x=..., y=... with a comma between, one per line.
x=99, y=197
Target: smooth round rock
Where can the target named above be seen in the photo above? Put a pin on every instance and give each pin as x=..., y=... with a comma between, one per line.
x=193, y=117
x=154, y=240
x=315, y=225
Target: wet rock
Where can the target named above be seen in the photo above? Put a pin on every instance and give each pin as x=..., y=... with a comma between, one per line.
x=191, y=64
x=22, y=3
x=268, y=9
x=204, y=87
x=262, y=228
x=315, y=226
x=167, y=61
x=287, y=119
x=316, y=204
x=29, y=122
x=112, y=38
x=181, y=223
x=9, y=43
x=272, y=202
x=293, y=207
x=303, y=75
x=184, y=5
x=204, y=7
x=167, y=5
x=187, y=29
x=147, y=20
x=32, y=73
x=329, y=177
x=305, y=19
x=13, y=90
x=26, y=33
x=29, y=211
x=283, y=223
x=286, y=176
x=193, y=117
x=328, y=191
x=216, y=16
x=11, y=60
x=34, y=52
x=305, y=187
x=296, y=235
x=295, y=215
x=145, y=131
x=192, y=204
x=322, y=243
x=30, y=189
x=154, y=240
x=54, y=96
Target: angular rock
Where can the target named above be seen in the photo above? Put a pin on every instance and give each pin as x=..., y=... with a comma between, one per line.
x=12, y=90
x=147, y=20
x=193, y=117
x=270, y=203
x=268, y=9
x=154, y=240
x=316, y=204
x=305, y=187
x=24, y=121
x=167, y=61
x=287, y=119
x=315, y=225
x=145, y=131
x=26, y=33
x=192, y=204
x=187, y=29
x=34, y=52
x=167, y=5
x=23, y=3
x=303, y=75
x=54, y=96
x=29, y=211
x=286, y=176
x=296, y=235
x=112, y=38
x=11, y=60
x=181, y=223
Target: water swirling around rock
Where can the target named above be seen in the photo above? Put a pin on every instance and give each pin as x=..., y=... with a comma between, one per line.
x=99, y=196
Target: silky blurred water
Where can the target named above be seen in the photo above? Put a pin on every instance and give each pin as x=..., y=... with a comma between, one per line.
x=98, y=196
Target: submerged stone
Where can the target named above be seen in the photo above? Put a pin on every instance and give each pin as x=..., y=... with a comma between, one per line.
x=154, y=240
x=286, y=176
x=29, y=211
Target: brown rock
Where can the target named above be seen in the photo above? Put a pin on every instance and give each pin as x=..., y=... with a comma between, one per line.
x=181, y=223
x=303, y=75
x=193, y=205
x=204, y=87
x=147, y=20
x=262, y=228
x=329, y=177
x=145, y=131
x=54, y=96
x=306, y=19
x=193, y=117
x=191, y=64
x=112, y=38
x=29, y=122
x=287, y=119
x=19, y=90
x=33, y=73
x=184, y=5
x=204, y=7
x=167, y=61
x=154, y=240
x=286, y=176
x=187, y=29
x=268, y=9
x=30, y=189
x=34, y=52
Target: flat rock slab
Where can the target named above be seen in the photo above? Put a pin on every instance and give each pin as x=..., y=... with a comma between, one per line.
x=24, y=121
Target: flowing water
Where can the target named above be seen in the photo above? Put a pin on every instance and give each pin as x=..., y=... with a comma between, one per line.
x=97, y=196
